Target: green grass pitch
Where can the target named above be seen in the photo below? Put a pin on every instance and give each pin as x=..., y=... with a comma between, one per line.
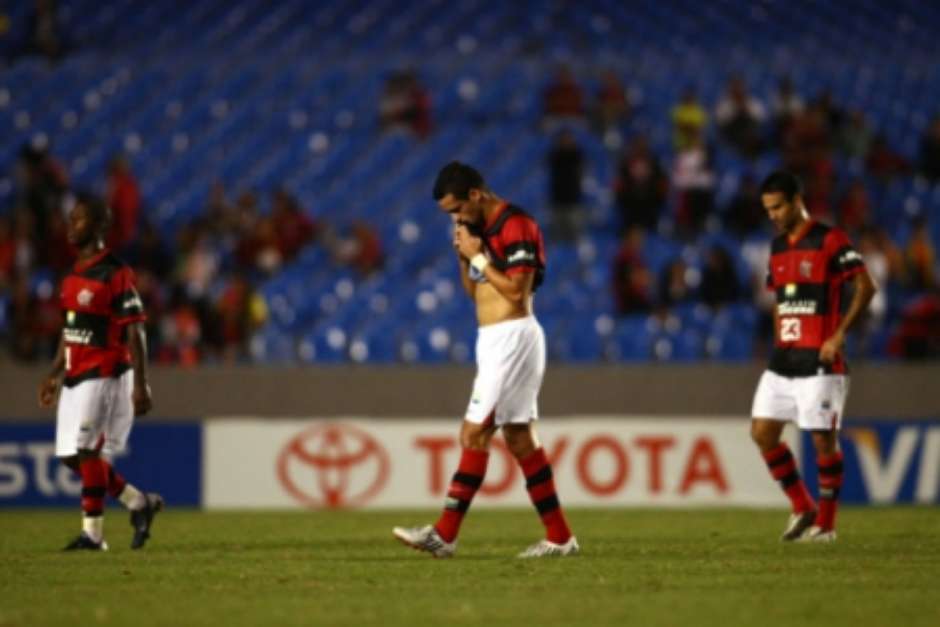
x=637, y=567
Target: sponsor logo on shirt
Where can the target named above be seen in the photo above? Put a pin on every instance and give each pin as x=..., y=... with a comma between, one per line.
x=849, y=255
x=77, y=336
x=797, y=308
x=133, y=302
x=520, y=255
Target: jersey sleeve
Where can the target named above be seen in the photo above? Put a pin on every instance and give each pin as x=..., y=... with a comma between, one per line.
x=521, y=238
x=844, y=261
x=126, y=305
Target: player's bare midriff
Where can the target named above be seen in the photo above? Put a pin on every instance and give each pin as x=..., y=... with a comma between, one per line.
x=493, y=307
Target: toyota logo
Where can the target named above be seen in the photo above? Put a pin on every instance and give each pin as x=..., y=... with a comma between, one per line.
x=333, y=466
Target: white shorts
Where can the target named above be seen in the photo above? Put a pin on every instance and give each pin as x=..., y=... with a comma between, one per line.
x=510, y=367
x=95, y=414
x=814, y=403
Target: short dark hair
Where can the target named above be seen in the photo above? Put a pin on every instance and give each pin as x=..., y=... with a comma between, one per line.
x=98, y=210
x=458, y=179
x=783, y=182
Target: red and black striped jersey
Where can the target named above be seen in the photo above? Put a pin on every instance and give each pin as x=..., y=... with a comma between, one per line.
x=807, y=274
x=99, y=299
x=514, y=243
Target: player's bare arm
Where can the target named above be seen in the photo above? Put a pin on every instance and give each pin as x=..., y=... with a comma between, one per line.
x=863, y=293
x=50, y=384
x=469, y=285
x=137, y=342
x=516, y=288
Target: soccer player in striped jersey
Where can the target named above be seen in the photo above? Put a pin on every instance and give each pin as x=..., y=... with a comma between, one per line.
x=501, y=255
x=101, y=366
x=807, y=379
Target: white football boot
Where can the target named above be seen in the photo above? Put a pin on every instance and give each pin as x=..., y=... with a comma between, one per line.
x=544, y=548
x=818, y=534
x=797, y=524
x=425, y=539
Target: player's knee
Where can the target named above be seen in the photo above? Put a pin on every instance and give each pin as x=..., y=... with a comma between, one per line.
x=764, y=437
x=474, y=437
x=825, y=442
x=519, y=442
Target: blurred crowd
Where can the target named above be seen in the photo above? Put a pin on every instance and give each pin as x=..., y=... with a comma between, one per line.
x=198, y=283
x=199, y=280
x=673, y=197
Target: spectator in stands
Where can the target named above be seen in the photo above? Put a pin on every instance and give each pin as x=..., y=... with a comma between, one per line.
x=740, y=117
x=180, y=332
x=268, y=258
x=918, y=334
x=920, y=258
x=883, y=162
x=151, y=255
x=199, y=260
x=808, y=152
x=855, y=139
x=41, y=183
x=879, y=268
x=25, y=257
x=675, y=286
x=786, y=106
x=720, y=285
x=694, y=180
x=689, y=120
x=833, y=115
x=565, y=171
x=293, y=227
x=612, y=108
x=930, y=152
x=641, y=186
x=854, y=210
x=7, y=253
x=631, y=277
x=223, y=216
x=123, y=196
x=806, y=139
x=744, y=214
x=405, y=104
x=360, y=249
x=563, y=99
x=57, y=254
x=45, y=31
x=241, y=310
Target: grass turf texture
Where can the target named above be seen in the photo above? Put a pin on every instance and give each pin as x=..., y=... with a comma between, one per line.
x=637, y=567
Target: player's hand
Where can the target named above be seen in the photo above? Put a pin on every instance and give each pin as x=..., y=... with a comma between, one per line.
x=831, y=348
x=465, y=243
x=143, y=399
x=47, y=391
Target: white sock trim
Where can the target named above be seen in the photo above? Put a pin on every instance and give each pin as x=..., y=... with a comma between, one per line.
x=132, y=498
x=93, y=526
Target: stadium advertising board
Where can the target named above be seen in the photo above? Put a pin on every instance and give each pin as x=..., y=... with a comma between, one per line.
x=368, y=463
x=886, y=462
x=161, y=457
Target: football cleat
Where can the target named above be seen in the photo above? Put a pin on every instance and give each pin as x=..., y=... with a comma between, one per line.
x=544, y=548
x=142, y=519
x=425, y=539
x=797, y=524
x=818, y=534
x=84, y=543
